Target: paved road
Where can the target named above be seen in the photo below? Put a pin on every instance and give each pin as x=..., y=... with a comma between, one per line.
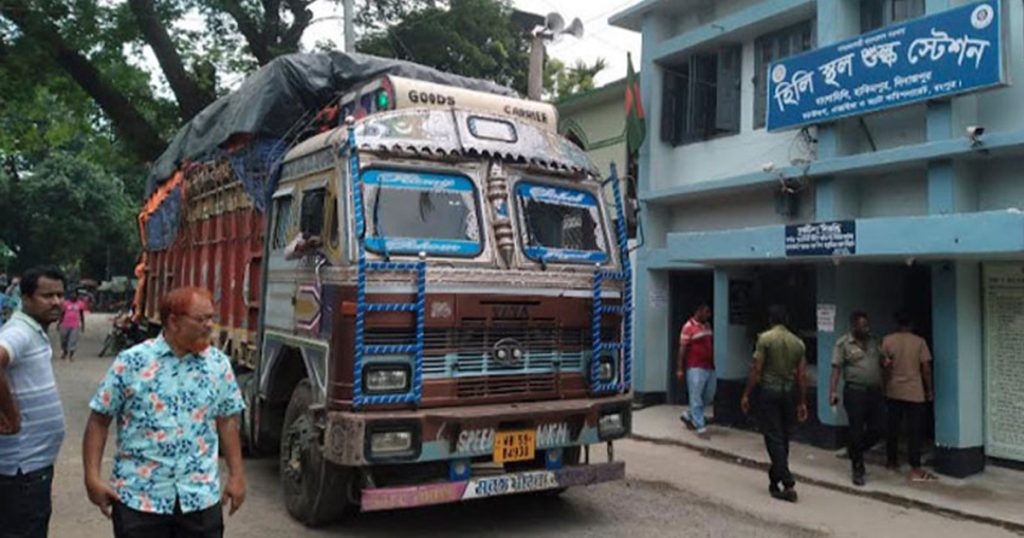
x=635, y=507
x=670, y=492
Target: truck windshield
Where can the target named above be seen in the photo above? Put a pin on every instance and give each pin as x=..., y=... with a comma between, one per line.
x=560, y=224
x=413, y=212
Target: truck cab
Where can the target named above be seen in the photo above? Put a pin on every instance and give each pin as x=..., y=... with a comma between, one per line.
x=445, y=306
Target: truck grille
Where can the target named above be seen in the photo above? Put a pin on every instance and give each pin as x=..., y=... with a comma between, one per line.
x=534, y=386
x=468, y=351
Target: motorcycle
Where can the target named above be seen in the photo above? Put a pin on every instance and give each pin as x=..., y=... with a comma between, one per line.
x=124, y=333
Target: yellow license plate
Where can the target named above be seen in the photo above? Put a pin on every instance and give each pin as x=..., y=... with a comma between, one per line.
x=514, y=446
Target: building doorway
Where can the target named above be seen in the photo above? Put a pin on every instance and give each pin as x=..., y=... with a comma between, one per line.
x=687, y=289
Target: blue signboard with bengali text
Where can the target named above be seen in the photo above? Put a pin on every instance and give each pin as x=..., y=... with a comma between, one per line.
x=953, y=52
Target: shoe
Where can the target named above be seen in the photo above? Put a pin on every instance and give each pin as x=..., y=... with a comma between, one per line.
x=788, y=494
x=858, y=478
x=894, y=467
x=685, y=418
x=703, y=434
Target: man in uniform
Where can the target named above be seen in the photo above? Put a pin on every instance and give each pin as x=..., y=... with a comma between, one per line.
x=857, y=357
x=779, y=368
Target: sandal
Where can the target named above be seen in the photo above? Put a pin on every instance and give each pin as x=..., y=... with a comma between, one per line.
x=920, y=475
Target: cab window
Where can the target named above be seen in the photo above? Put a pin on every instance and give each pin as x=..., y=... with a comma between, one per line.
x=282, y=217
x=311, y=221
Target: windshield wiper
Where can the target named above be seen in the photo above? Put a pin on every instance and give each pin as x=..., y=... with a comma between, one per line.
x=531, y=239
x=378, y=232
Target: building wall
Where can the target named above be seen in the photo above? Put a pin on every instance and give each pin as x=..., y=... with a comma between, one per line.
x=716, y=159
x=602, y=122
x=920, y=194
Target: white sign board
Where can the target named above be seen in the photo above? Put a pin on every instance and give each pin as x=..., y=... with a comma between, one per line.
x=826, y=318
x=1004, y=360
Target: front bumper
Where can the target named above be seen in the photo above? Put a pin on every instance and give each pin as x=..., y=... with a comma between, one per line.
x=465, y=432
x=490, y=486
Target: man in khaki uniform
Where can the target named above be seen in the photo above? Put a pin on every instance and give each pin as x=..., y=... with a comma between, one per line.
x=779, y=368
x=908, y=373
x=857, y=356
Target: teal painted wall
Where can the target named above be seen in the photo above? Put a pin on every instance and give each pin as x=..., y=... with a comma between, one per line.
x=945, y=212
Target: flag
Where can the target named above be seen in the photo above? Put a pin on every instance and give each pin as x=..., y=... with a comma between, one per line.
x=636, y=127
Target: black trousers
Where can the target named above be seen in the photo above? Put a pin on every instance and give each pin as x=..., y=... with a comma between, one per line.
x=912, y=413
x=130, y=523
x=25, y=504
x=866, y=412
x=776, y=416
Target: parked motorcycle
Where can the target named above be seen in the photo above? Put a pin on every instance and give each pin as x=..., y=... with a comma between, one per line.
x=124, y=333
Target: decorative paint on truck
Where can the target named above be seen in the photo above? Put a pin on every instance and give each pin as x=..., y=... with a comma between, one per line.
x=442, y=296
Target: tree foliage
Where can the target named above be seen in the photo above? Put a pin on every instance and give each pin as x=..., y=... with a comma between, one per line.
x=88, y=212
x=561, y=81
x=476, y=38
x=99, y=46
x=91, y=91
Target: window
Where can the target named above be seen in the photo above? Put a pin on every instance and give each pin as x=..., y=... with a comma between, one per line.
x=875, y=14
x=282, y=218
x=776, y=46
x=412, y=212
x=701, y=97
x=333, y=223
x=312, y=218
x=560, y=224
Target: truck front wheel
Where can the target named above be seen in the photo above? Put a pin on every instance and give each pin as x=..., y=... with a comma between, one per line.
x=316, y=491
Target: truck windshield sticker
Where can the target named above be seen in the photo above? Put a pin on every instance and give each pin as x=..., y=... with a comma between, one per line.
x=412, y=212
x=560, y=224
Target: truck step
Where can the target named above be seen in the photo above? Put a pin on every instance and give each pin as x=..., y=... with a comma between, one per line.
x=391, y=307
x=389, y=350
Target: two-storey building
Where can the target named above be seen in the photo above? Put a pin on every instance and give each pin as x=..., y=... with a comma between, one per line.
x=916, y=202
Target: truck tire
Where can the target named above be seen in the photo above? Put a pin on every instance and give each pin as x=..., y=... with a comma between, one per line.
x=247, y=384
x=316, y=491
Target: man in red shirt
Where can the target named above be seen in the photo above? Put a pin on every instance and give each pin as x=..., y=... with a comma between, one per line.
x=696, y=364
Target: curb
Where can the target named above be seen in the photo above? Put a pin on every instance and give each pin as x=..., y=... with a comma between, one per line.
x=889, y=498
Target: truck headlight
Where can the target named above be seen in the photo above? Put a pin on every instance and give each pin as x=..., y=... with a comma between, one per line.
x=606, y=369
x=390, y=442
x=612, y=425
x=386, y=379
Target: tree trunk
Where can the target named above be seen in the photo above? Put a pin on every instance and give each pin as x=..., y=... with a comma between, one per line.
x=191, y=98
x=130, y=124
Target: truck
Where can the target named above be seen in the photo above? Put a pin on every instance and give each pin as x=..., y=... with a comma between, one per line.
x=425, y=293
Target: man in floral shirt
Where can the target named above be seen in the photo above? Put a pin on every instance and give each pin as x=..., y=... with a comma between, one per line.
x=175, y=402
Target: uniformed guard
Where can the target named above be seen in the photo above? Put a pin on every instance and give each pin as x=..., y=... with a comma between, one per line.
x=857, y=357
x=779, y=369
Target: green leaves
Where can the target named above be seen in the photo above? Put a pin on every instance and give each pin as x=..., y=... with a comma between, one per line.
x=68, y=210
x=561, y=81
x=475, y=38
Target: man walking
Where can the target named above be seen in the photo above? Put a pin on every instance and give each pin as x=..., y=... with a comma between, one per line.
x=31, y=416
x=779, y=368
x=695, y=363
x=176, y=405
x=908, y=368
x=72, y=323
x=858, y=358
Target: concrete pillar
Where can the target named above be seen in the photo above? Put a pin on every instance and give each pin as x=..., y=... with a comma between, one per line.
x=730, y=371
x=959, y=381
x=828, y=293
x=650, y=339
x=956, y=306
